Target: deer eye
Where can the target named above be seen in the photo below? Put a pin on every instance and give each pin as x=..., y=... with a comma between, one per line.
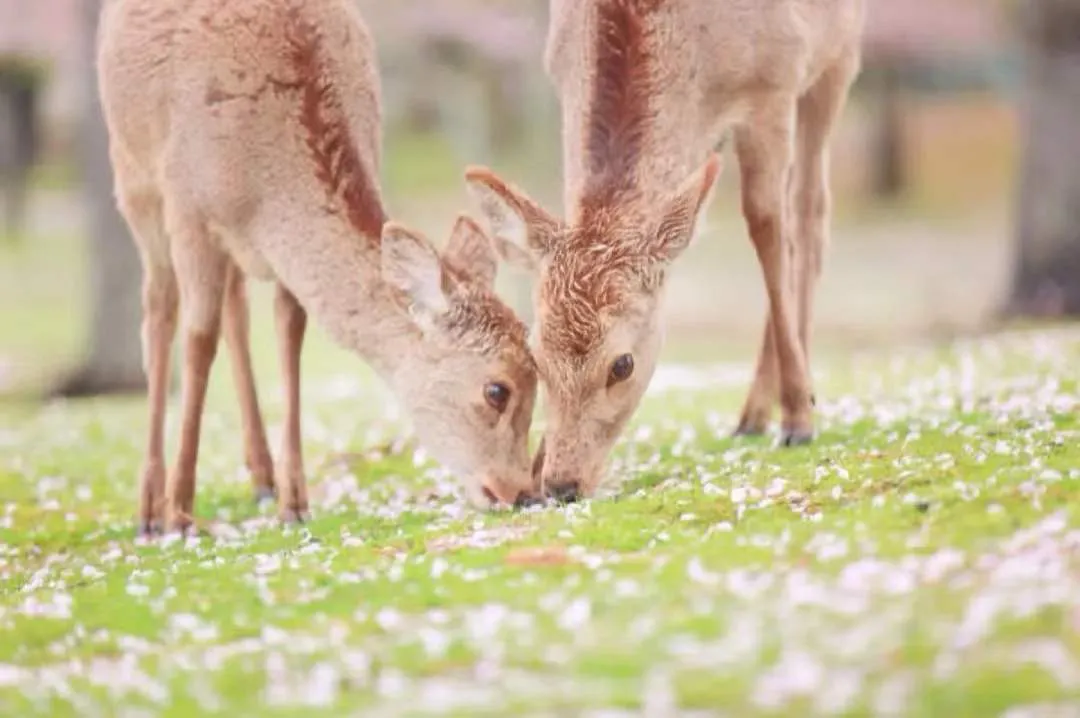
x=621, y=369
x=497, y=396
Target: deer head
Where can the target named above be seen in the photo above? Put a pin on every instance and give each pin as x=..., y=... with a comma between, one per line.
x=601, y=280
x=470, y=384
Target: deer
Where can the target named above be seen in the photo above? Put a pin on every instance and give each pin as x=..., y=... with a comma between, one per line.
x=245, y=141
x=649, y=90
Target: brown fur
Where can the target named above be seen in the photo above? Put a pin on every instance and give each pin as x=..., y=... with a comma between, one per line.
x=245, y=141
x=621, y=93
x=337, y=163
x=648, y=88
x=592, y=271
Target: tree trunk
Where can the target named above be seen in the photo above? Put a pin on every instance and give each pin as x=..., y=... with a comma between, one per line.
x=889, y=170
x=113, y=363
x=1046, y=281
x=503, y=104
x=19, y=134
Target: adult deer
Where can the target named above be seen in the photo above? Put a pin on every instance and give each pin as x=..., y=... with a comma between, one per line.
x=648, y=88
x=245, y=141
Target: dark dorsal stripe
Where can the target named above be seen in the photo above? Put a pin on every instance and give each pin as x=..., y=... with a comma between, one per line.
x=619, y=109
x=328, y=138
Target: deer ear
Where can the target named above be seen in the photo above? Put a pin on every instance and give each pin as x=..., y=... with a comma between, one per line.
x=471, y=252
x=410, y=263
x=682, y=213
x=523, y=231
x=514, y=255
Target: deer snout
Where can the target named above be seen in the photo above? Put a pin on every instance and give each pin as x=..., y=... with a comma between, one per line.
x=564, y=489
x=559, y=477
x=503, y=494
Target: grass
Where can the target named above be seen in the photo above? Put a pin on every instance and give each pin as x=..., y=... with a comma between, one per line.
x=922, y=558
x=42, y=290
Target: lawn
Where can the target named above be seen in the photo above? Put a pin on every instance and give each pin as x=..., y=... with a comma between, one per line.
x=921, y=559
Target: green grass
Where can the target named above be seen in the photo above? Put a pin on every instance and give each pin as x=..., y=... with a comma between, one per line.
x=42, y=290
x=922, y=558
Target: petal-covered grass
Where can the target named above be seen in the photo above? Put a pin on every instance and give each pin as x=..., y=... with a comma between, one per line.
x=921, y=558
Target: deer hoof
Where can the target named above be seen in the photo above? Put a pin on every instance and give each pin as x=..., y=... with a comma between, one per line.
x=264, y=494
x=183, y=529
x=294, y=517
x=149, y=529
x=796, y=437
x=748, y=429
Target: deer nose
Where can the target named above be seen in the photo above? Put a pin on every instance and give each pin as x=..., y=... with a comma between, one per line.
x=565, y=492
x=526, y=499
x=497, y=495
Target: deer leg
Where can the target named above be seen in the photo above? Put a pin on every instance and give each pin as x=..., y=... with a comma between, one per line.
x=765, y=150
x=202, y=272
x=159, y=298
x=811, y=199
x=757, y=409
x=291, y=320
x=142, y=212
x=237, y=333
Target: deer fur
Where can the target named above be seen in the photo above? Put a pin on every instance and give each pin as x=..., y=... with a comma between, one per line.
x=245, y=139
x=648, y=89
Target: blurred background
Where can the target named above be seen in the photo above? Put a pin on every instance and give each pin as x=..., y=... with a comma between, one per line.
x=956, y=174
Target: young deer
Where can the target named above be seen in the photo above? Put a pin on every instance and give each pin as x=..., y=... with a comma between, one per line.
x=245, y=141
x=648, y=88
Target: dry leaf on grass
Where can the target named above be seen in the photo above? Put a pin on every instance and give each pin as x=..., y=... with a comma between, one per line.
x=538, y=556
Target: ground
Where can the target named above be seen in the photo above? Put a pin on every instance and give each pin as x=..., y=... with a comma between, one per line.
x=922, y=558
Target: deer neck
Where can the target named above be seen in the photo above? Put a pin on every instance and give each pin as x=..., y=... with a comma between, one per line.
x=634, y=121
x=335, y=274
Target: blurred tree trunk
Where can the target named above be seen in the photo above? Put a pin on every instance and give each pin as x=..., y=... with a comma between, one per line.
x=19, y=134
x=1046, y=281
x=889, y=171
x=503, y=90
x=113, y=362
